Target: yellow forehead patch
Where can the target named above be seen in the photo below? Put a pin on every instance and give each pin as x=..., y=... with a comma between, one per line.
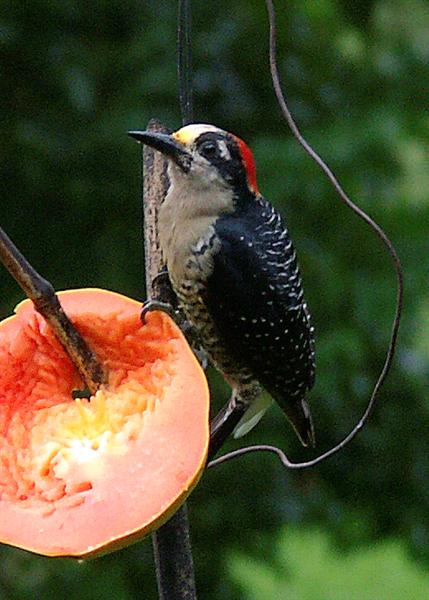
x=188, y=134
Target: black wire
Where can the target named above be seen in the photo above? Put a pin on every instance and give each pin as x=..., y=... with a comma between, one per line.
x=382, y=236
x=184, y=61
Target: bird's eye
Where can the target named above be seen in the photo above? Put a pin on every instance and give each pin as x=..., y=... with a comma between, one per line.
x=208, y=149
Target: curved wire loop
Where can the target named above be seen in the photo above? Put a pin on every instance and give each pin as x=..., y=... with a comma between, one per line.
x=380, y=234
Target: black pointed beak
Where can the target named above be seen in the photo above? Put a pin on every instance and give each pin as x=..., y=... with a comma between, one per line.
x=167, y=145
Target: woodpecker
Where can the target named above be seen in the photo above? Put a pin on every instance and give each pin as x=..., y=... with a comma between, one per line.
x=234, y=270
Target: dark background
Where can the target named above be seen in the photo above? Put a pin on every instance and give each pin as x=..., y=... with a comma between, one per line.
x=75, y=76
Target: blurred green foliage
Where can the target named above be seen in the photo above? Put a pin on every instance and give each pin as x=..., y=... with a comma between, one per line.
x=306, y=567
x=75, y=76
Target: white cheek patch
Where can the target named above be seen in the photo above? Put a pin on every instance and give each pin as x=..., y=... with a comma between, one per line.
x=223, y=150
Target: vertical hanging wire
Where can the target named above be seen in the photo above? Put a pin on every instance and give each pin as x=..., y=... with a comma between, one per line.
x=171, y=542
x=184, y=61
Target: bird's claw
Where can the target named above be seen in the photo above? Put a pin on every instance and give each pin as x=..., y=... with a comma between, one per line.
x=152, y=305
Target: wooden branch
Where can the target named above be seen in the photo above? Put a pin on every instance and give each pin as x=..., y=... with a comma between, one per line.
x=46, y=302
x=171, y=542
x=155, y=186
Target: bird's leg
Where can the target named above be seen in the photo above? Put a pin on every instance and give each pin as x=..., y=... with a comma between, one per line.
x=184, y=325
x=162, y=288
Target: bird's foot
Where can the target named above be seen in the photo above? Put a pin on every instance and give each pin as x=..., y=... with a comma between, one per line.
x=179, y=318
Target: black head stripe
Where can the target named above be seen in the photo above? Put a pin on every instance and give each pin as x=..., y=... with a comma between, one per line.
x=222, y=151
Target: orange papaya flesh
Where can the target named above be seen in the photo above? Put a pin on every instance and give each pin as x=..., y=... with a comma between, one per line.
x=80, y=478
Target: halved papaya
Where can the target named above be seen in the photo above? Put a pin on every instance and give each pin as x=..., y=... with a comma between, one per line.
x=80, y=477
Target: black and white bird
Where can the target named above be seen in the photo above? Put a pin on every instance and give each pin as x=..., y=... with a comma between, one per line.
x=234, y=269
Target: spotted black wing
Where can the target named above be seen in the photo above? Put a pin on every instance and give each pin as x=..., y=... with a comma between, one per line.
x=256, y=300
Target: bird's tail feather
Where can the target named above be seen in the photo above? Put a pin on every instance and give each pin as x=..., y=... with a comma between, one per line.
x=300, y=417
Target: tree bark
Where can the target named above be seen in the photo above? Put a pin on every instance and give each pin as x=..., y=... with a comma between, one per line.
x=171, y=542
